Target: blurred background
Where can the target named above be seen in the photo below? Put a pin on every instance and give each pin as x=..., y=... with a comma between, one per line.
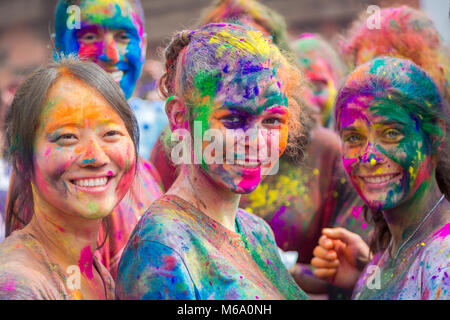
x=26, y=26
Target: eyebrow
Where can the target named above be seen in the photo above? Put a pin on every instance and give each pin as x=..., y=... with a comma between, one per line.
x=56, y=126
x=278, y=109
x=390, y=122
x=349, y=128
x=238, y=109
x=117, y=26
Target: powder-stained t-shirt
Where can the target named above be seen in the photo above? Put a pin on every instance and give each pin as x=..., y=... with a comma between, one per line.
x=26, y=273
x=178, y=252
x=145, y=189
x=420, y=272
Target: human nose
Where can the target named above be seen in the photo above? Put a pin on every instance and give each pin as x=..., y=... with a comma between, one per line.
x=258, y=142
x=110, y=52
x=94, y=155
x=371, y=155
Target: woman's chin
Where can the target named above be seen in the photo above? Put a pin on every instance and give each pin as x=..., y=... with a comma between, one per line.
x=240, y=190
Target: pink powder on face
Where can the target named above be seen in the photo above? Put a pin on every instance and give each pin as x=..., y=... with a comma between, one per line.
x=47, y=152
x=348, y=163
x=250, y=179
x=86, y=261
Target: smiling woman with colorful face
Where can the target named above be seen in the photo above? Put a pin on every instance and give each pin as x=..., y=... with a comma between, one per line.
x=394, y=127
x=194, y=242
x=112, y=35
x=74, y=156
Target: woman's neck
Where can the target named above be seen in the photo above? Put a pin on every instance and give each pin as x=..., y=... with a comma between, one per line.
x=404, y=220
x=220, y=204
x=68, y=239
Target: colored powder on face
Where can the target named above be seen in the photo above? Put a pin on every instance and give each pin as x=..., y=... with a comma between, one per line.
x=92, y=206
x=86, y=261
x=207, y=82
x=86, y=161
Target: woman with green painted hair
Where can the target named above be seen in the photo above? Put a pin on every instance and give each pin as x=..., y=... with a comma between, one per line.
x=394, y=126
x=194, y=242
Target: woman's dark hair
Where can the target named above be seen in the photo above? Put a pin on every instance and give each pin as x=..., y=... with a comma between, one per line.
x=23, y=121
x=412, y=89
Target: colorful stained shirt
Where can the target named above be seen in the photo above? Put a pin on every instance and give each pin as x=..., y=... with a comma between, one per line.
x=26, y=272
x=145, y=189
x=178, y=252
x=302, y=199
x=420, y=272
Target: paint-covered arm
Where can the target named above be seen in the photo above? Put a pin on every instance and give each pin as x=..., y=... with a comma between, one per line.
x=150, y=270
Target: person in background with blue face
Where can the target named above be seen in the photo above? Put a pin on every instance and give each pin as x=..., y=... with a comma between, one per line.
x=112, y=34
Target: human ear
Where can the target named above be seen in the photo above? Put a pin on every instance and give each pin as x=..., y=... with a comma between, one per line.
x=176, y=113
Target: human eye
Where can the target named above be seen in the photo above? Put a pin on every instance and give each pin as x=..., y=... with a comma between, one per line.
x=112, y=135
x=89, y=37
x=65, y=139
x=392, y=135
x=122, y=36
x=233, y=121
x=352, y=138
x=274, y=121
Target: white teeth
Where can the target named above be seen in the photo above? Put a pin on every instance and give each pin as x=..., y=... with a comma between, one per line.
x=98, y=182
x=117, y=75
x=378, y=179
x=247, y=164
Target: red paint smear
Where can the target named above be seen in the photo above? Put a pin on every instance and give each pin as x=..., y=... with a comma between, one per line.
x=86, y=261
x=443, y=232
x=169, y=262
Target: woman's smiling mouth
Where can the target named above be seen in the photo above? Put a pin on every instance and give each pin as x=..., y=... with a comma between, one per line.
x=92, y=184
x=380, y=180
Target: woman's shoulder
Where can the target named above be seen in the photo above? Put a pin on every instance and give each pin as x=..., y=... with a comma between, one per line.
x=21, y=274
x=163, y=221
x=436, y=247
x=254, y=223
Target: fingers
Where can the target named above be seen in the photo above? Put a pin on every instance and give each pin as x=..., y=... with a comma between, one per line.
x=325, y=254
x=339, y=234
x=325, y=274
x=326, y=243
x=323, y=263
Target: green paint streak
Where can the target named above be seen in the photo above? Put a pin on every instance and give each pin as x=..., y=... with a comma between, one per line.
x=92, y=206
x=207, y=82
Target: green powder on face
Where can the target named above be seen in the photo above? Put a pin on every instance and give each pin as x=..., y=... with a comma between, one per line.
x=207, y=82
x=92, y=206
